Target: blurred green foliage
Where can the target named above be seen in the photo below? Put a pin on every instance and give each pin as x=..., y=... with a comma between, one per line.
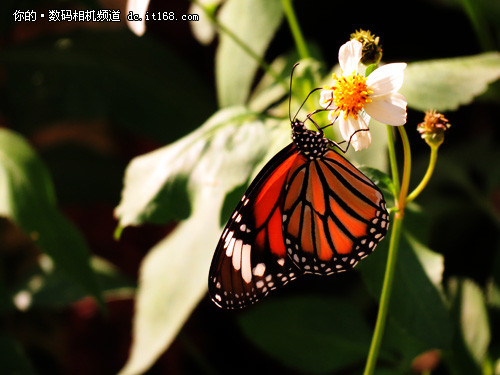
x=78, y=102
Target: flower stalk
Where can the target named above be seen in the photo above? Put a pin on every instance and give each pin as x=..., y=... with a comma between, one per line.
x=405, y=181
x=385, y=295
x=432, y=131
x=393, y=163
x=396, y=226
x=428, y=174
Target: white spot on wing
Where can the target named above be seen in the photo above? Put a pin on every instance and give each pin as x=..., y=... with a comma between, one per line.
x=246, y=267
x=259, y=269
x=229, y=236
x=237, y=255
x=230, y=247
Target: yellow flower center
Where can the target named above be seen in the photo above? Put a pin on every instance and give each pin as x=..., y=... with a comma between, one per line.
x=350, y=94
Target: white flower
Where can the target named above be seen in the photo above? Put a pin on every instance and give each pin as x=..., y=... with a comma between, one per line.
x=137, y=7
x=354, y=98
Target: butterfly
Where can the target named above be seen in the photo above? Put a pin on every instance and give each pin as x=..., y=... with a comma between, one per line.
x=309, y=210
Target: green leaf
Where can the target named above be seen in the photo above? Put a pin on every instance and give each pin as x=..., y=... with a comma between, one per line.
x=416, y=303
x=446, y=84
x=132, y=82
x=473, y=318
x=254, y=22
x=311, y=334
x=27, y=198
x=382, y=180
x=157, y=185
x=173, y=277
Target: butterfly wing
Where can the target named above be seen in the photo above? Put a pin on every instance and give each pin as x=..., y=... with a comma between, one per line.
x=250, y=259
x=333, y=215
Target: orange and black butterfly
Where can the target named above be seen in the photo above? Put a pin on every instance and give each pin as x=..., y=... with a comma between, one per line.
x=309, y=210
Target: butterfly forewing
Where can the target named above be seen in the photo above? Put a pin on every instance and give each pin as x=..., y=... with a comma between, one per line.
x=250, y=259
x=333, y=215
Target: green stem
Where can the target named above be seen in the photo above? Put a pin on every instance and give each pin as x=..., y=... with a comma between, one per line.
x=480, y=25
x=295, y=29
x=242, y=45
x=390, y=268
x=427, y=176
x=405, y=182
x=385, y=296
x=393, y=162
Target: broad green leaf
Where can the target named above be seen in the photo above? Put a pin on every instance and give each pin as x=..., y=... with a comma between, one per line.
x=473, y=318
x=27, y=198
x=115, y=76
x=432, y=262
x=380, y=179
x=468, y=309
x=416, y=304
x=400, y=338
x=156, y=186
x=254, y=22
x=173, y=277
x=311, y=334
x=446, y=84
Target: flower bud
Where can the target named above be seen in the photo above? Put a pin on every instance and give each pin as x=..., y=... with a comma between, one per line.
x=426, y=362
x=433, y=128
x=372, y=51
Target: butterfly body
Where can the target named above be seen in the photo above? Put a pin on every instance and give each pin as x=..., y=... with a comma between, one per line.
x=308, y=211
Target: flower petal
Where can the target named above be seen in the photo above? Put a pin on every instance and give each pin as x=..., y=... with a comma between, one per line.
x=350, y=56
x=348, y=127
x=137, y=7
x=386, y=79
x=388, y=109
x=332, y=116
x=326, y=98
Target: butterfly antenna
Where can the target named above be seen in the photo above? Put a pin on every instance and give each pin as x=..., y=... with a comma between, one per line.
x=344, y=150
x=290, y=96
x=305, y=100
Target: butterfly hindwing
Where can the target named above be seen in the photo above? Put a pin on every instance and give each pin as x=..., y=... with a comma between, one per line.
x=333, y=215
x=250, y=258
